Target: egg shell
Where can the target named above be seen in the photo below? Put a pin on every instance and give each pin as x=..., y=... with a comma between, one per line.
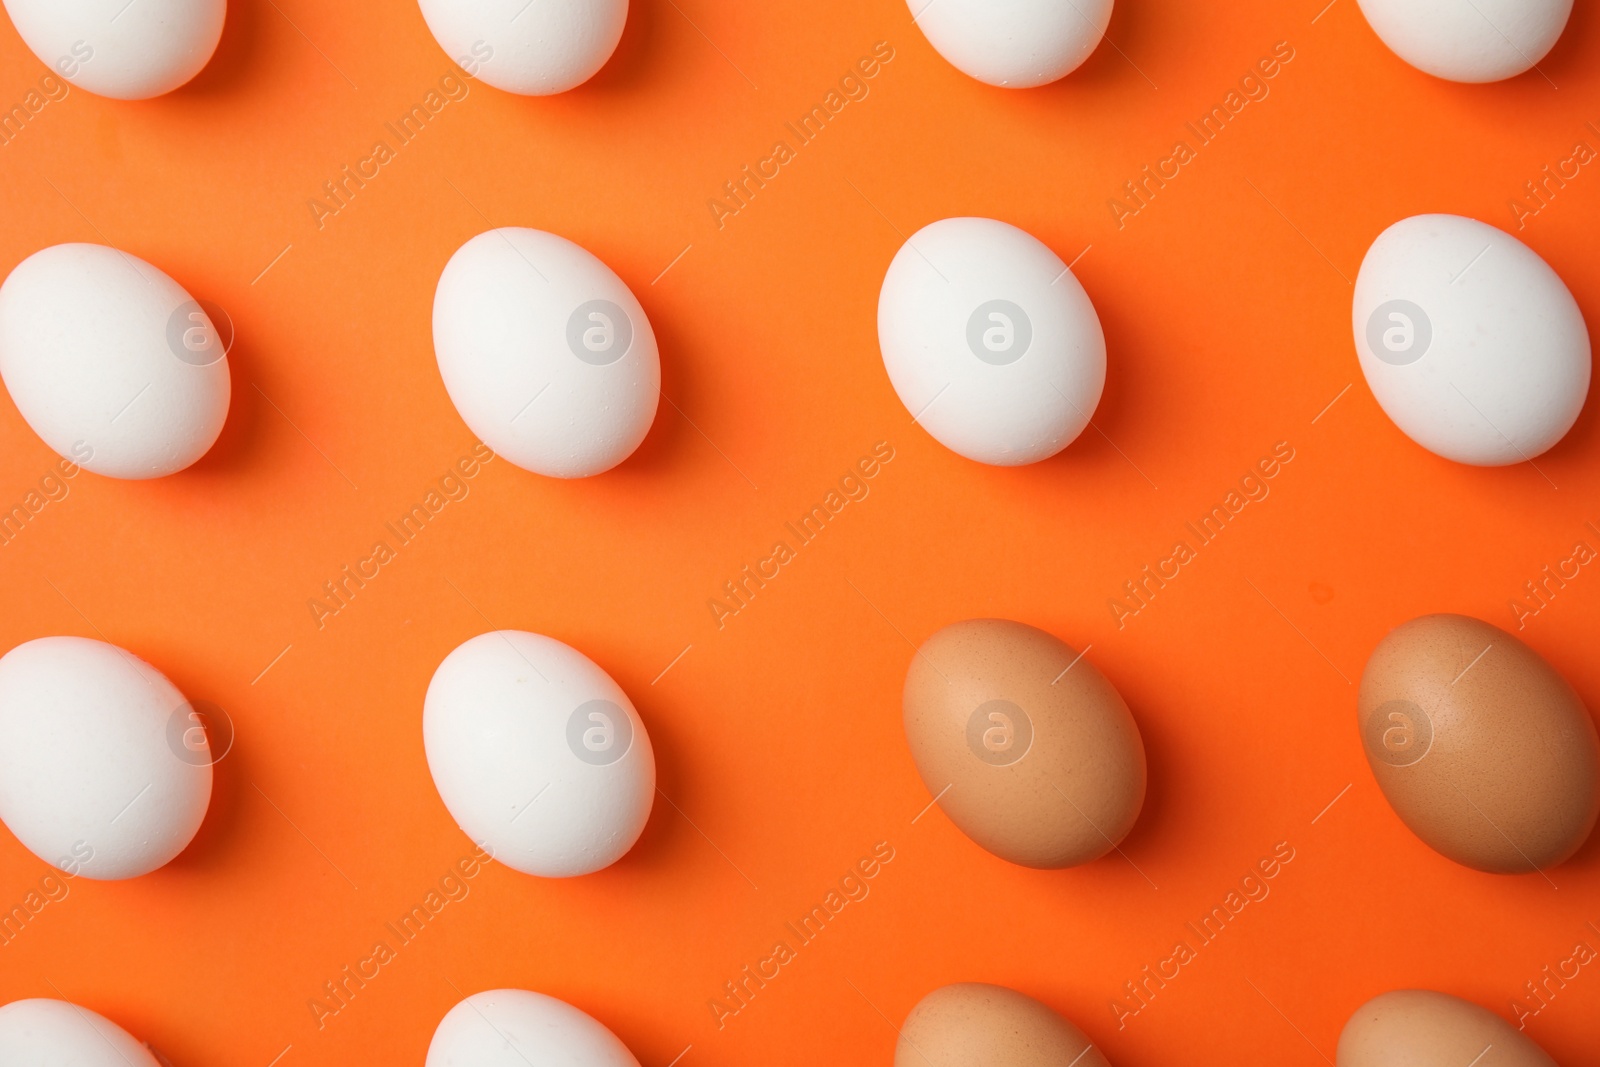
x=91, y=776
x=129, y=51
x=1481, y=748
x=55, y=1033
x=538, y=754
x=1041, y=765
x=1469, y=40
x=970, y=1023
x=1014, y=44
x=990, y=342
x=112, y=363
x=1421, y=1028
x=516, y=1028
x=532, y=49
x=1470, y=342
x=545, y=352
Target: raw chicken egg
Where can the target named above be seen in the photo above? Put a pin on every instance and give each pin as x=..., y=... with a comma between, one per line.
x=126, y=49
x=530, y=47
x=1015, y=44
x=1481, y=748
x=1469, y=341
x=968, y=1024
x=1469, y=40
x=100, y=770
x=545, y=352
x=1421, y=1028
x=516, y=1028
x=1023, y=743
x=54, y=1033
x=538, y=754
x=111, y=362
x=990, y=342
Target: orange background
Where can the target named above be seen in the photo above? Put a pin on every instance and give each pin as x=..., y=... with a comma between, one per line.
x=1226, y=310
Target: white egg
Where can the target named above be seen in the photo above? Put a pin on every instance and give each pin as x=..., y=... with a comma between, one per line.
x=990, y=341
x=126, y=50
x=111, y=362
x=1469, y=341
x=1469, y=40
x=516, y=1028
x=101, y=773
x=1015, y=44
x=539, y=756
x=55, y=1033
x=531, y=47
x=545, y=352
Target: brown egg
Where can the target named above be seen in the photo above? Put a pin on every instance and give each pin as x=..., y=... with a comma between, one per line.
x=1421, y=1028
x=1027, y=747
x=968, y=1025
x=1482, y=749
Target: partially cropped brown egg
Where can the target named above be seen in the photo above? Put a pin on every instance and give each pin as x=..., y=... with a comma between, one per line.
x=1025, y=745
x=968, y=1024
x=1421, y=1028
x=1482, y=749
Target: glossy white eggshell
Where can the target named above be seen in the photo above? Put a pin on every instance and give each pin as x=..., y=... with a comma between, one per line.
x=129, y=51
x=1470, y=342
x=55, y=1033
x=1469, y=40
x=1015, y=44
x=538, y=755
x=531, y=47
x=990, y=341
x=516, y=1028
x=89, y=775
x=545, y=352
x=98, y=353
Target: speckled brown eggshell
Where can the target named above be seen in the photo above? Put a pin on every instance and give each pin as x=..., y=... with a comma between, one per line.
x=968, y=1025
x=1481, y=748
x=1045, y=769
x=1421, y=1028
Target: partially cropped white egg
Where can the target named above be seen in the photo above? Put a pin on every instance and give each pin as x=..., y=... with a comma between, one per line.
x=55, y=1033
x=545, y=352
x=126, y=49
x=1469, y=341
x=111, y=362
x=990, y=341
x=1469, y=40
x=516, y=1028
x=101, y=770
x=539, y=756
x=531, y=47
x=1015, y=44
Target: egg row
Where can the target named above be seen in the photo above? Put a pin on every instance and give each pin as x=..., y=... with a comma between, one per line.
x=550, y=46
x=953, y=1026
x=1469, y=341
x=1480, y=746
